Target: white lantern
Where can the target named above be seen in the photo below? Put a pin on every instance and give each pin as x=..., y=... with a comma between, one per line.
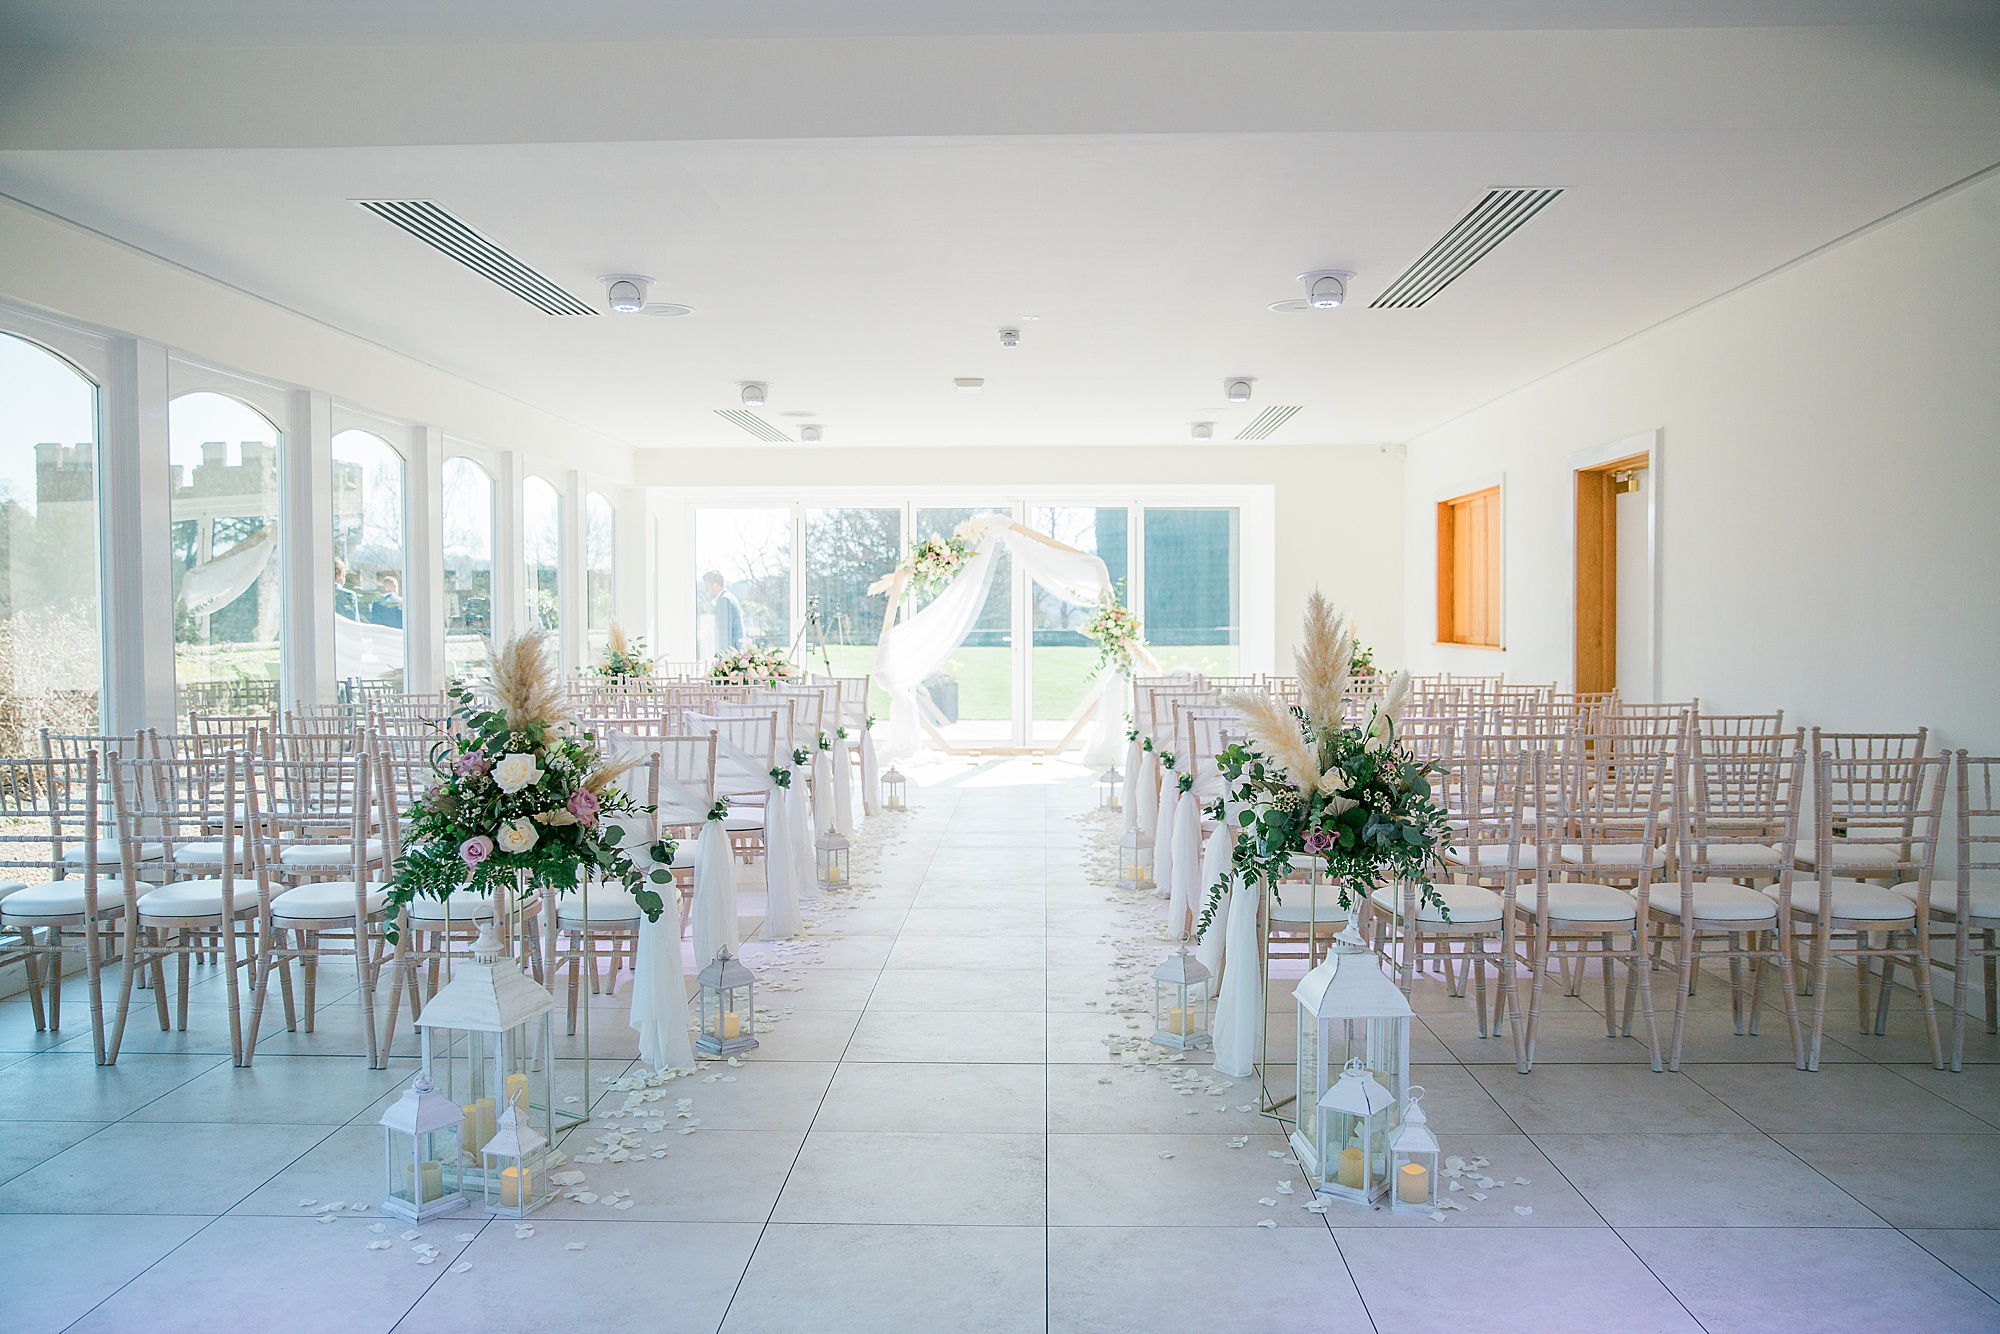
x=1180, y=1002
x=1135, y=860
x=420, y=1148
x=1413, y=1159
x=895, y=790
x=515, y=1166
x=1353, y=1139
x=488, y=1044
x=1348, y=1012
x=830, y=853
x=727, y=1004
x=1108, y=784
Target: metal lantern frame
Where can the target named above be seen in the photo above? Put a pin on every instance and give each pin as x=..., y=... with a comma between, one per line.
x=1348, y=1010
x=1355, y=1114
x=518, y=1148
x=421, y=1130
x=1181, y=987
x=1110, y=785
x=726, y=989
x=895, y=790
x=831, y=852
x=1413, y=1145
x=1135, y=860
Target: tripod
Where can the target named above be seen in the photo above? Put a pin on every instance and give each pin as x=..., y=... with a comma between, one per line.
x=811, y=638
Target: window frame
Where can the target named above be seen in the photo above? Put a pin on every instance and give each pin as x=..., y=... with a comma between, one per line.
x=1451, y=618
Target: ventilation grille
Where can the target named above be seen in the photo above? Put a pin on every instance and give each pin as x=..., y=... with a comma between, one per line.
x=1267, y=421
x=1489, y=222
x=442, y=232
x=754, y=424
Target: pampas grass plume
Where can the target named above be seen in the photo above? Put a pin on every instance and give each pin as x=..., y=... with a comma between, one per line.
x=1323, y=661
x=1276, y=734
x=526, y=682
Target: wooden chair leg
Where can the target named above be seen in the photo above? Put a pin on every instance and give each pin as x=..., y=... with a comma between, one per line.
x=1822, y=954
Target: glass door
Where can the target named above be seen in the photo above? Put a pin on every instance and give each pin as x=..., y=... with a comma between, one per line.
x=974, y=690
x=1193, y=593
x=1062, y=670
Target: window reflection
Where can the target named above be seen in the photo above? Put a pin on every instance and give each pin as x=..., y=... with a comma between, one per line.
x=467, y=504
x=368, y=566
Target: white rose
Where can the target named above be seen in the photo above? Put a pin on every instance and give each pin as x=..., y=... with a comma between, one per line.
x=515, y=772
x=516, y=835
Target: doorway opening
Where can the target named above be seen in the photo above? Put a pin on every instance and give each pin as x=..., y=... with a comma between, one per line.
x=1614, y=577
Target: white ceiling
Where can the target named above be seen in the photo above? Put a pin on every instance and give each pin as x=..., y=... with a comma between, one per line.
x=860, y=274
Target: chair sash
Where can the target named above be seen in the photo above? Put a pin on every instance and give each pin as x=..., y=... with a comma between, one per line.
x=1134, y=757
x=738, y=773
x=1239, y=1004
x=1146, y=782
x=1216, y=864
x=1184, y=889
x=804, y=872
x=659, y=975
x=1163, y=841
x=843, y=783
x=714, y=913
x=870, y=770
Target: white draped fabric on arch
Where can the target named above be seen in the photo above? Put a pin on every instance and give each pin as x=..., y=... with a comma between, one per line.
x=918, y=643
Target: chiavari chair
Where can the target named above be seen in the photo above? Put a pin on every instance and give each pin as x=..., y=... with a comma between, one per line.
x=1969, y=906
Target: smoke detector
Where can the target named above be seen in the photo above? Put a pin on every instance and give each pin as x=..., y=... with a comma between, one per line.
x=809, y=434
x=626, y=292
x=754, y=393
x=1237, y=388
x=1326, y=288
x=1010, y=338
x=1204, y=430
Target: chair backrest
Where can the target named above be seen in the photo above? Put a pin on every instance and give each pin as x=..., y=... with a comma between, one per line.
x=230, y=724
x=746, y=749
x=400, y=777
x=47, y=807
x=177, y=799
x=1978, y=826
x=76, y=745
x=688, y=761
x=320, y=801
x=1873, y=776
x=1877, y=817
x=809, y=711
x=853, y=696
x=1605, y=812
x=1738, y=810
x=1719, y=725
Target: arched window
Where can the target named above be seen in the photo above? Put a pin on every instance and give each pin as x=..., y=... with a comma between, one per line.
x=468, y=565
x=50, y=664
x=599, y=530
x=228, y=581
x=541, y=549
x=368, y=573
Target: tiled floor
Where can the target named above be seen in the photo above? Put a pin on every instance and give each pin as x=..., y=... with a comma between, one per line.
x=935, y=1137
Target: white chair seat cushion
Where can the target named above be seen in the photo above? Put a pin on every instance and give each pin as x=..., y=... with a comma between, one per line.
x=205, y=854
x=1490, y=856
x=108, y=853
x=1744, y=854
x=1853, y=900
x=8, y=887
x=684, y=856
x=1944, y=896
x=61, y=898
x=1571, y=901
x=1302, y=905
x=324, y=900
x=1469, y=905
x=327, y=854
x=194, y=898
x=1613, y=854
x=610, y=905
x=462, y=907
x=1717, y=901
x=1846, y=853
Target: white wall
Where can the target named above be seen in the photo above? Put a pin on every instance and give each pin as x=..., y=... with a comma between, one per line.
x=1828, y=472
x=1337, y=510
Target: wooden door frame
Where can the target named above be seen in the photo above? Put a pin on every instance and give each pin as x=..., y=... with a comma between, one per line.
x=1594, y=557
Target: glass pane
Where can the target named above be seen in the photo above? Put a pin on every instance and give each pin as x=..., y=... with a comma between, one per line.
x=468, y=565
x=1066, y=659
x=847, y=550
x=975, y=687
x=598, y=532
x=227, y=578
x=49, y=626
x=1193, y=617
x=367, y=560
x=745, y=594
x=541, y=549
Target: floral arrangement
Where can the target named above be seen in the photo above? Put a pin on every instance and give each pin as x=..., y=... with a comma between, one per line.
x=519, y=789
x=754, y=664
x=1115, y=627
x=935, y=561
x=1364, y=661
x=1308, y=783
x=624, y=659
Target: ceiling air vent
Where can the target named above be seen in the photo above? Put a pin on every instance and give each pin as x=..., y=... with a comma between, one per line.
x=429, y=223
x=754, y=424
x=1267, y=421
x=1497, y=216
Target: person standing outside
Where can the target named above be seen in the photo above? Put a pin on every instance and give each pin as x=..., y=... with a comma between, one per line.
x=728, y=613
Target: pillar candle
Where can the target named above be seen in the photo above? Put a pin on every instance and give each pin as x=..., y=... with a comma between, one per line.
x=1350, y=1168
x=517, y=1187
x=517, y=1091
x=480, y=1123
x=1413, y=1183
x=431, y=1186
x=727, y=1025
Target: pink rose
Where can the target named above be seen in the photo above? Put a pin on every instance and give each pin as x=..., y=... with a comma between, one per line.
x=475, y=849
x=583, y=805
x=473, y=762
x=1317, y=841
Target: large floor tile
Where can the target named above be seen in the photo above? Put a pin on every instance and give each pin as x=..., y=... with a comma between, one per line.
x=1914, y=1181
x=1832, y=1099
x=806, y=1035
x=137, y=1168
x=756, y=1095
x=1551, y=1201
x=23, y=1144
x=64, y=1266
x=1560, y=1039
x=286, y=1090
x=1133, y=1180
x=847, y=1279
x=1976, y=1088
x=1583, y=1099
x=991, y=990
x=1972, y=1253
x=1086, y=1100
x=1705, y=1180
x=916, y=1177
x=888, y=1035
x=35, y=1088
x=719, y=1176
x=1574, y=1279
x=1107, y=1280
x=1752, y=1280
x=948, y=1098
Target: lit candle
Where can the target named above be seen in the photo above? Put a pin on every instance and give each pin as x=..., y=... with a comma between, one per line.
x=429, y=1187
x=1350, y=1168
x=479, y=1124
x=727, y=1025
x=1178, y=1021
x=1413, y=1183
x=834, y=875
x=517, y=1187
x=517, y=1091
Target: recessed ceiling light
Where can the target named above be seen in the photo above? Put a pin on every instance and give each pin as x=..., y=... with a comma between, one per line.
x=1237, y=388
x=798, y=412
x=809, y=434
x=1204, y=430
x=665, y=310
x=969, y=384
x=1010, y=338
x=626, y=292
x=753, y=394
x=1326, y=288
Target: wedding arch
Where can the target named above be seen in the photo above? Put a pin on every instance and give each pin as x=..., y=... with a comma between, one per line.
x=914, y=643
